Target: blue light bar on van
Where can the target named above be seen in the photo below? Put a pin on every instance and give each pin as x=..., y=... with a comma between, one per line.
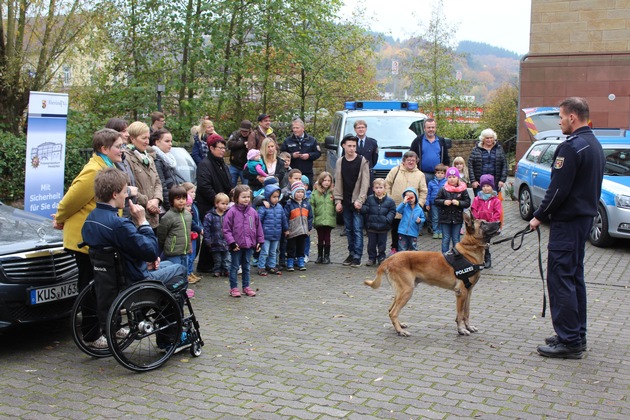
x=375, y=105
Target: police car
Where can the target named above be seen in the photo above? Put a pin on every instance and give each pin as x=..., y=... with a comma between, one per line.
x=533, y=176
x=394, y=125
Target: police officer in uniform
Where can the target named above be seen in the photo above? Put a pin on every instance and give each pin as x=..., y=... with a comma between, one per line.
x=570, y=205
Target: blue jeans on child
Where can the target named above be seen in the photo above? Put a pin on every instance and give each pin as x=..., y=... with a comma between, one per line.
x=178, y=259
x=268, y=253
x=220, y=262
x=353, y=222
x=191, y=257
x=240, y=258
x=407, y=243
x=376, y=245
x=450, y=233
x=435, y=219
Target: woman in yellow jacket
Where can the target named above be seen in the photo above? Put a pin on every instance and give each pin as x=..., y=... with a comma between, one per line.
x=78, y=201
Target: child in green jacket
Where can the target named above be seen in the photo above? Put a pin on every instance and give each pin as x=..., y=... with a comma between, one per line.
x=173, y=232
x=324, y=215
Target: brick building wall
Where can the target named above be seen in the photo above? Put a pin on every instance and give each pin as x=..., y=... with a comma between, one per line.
x=578, y=48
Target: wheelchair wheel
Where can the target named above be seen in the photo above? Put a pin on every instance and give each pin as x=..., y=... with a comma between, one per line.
x=195, y=349
x=144, y=326
x=85, y=325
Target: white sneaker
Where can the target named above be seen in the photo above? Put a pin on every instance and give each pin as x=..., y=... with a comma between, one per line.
x=100, y=344
x=122, y=333
x=240, y=270
x=305, y=259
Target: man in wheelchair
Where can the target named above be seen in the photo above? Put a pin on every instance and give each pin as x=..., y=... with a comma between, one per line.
x=133, y=238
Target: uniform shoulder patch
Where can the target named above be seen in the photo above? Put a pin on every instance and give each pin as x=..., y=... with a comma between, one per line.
x=558, y=163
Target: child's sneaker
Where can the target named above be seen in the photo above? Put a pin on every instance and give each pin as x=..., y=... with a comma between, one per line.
x=262, y=272
x=235, y=293
x=392, y=252
x=440, y=235
x=249, y=291
x=275, y=271
x=436, y=236
x=380, y=260
x=369, y=263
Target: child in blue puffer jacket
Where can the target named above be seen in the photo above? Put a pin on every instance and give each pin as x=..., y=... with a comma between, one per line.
x=411, y=222
x=274, y=224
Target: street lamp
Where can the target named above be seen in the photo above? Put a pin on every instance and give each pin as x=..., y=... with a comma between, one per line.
x=159, y=89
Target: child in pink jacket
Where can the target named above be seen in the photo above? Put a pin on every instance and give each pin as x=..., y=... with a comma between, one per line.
x=487, y=206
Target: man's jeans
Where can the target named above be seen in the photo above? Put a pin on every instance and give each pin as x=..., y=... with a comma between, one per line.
x=353, y=221
x=235, y=174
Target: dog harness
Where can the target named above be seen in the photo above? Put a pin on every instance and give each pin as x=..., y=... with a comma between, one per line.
x=462, y=267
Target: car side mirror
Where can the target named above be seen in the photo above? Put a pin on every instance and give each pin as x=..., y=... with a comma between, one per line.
x=329, y=143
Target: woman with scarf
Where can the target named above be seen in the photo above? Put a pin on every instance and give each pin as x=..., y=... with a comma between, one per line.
x=213, y=177
x=162, y=141
x=143, y=167
x=78, y=202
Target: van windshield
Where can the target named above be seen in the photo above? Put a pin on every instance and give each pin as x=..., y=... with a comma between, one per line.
x=389, y=130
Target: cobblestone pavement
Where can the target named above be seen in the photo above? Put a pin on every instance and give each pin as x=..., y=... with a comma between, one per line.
x=319, y=344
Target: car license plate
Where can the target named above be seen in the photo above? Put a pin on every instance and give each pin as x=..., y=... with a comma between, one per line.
x=53, y=293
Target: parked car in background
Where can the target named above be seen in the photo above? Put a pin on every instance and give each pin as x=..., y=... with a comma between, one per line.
x=394, y=125
x=38, y=278
x=533, y=176
x=186, y=166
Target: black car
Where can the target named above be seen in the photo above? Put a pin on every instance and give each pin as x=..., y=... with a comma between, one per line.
x=38, y=278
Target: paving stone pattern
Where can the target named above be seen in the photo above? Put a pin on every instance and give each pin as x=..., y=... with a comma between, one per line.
x=319, y=345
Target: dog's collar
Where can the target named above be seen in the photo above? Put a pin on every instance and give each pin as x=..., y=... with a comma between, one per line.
x=463, y=268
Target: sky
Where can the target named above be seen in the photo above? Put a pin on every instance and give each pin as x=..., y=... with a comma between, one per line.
x=501, y=23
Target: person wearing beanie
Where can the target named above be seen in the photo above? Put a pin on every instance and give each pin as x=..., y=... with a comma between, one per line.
x=487, y=206
x=307, y=196
x=300, y=217
x=255, y=164
x=274, y=224
x=451, y=200
x=237, y=145
x=352, y=180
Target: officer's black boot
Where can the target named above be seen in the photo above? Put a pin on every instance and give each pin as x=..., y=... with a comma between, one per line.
x=326, y=259
x=487, y=259
x=320, y=254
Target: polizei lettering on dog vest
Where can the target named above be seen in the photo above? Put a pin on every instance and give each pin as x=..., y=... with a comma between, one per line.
x=462, y=267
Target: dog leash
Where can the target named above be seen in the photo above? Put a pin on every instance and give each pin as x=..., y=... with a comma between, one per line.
x=521, y=234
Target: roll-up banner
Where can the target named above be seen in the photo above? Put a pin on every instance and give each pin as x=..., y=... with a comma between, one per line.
x=45, y=152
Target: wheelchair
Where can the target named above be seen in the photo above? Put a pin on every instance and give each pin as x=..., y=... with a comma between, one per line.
x=146, y=323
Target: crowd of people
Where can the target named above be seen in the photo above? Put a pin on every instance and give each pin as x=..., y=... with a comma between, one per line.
x=278, y=197
x=262, y=206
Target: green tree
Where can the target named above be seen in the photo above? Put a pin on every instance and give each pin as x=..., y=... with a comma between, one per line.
x=433, y=70
x=501, y=111
x=35, y=37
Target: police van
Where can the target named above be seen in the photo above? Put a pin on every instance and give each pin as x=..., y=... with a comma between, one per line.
x=394, y=125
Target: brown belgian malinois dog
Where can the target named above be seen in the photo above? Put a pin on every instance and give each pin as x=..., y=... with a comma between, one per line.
x=406, y=269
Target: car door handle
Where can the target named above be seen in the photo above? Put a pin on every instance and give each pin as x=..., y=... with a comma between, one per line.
x=534, y=173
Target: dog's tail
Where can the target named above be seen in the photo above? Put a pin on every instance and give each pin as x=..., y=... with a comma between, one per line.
x=376, y=283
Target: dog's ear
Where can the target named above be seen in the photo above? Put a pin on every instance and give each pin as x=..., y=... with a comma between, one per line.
x=469, y=223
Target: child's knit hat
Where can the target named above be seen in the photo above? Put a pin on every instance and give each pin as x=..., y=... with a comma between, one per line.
x=452, y=171
x=487, y=179
x=189, y=200
x=253, y=154
x=296, y=186
x=305, y=180
x=270, y=180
